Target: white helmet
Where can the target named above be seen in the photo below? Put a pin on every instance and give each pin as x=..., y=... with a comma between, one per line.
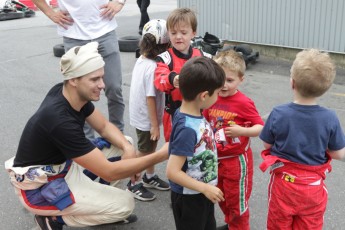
x=158, y=28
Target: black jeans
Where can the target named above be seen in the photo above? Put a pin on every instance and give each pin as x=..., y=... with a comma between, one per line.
x=143, y=5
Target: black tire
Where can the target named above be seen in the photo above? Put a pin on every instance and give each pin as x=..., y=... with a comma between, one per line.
x=129, y=43
x=11, y=15
x=245, y=49
x=59, y=50
x=29, y=13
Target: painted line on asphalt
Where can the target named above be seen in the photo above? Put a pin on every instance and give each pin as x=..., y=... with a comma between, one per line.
x=339, y=94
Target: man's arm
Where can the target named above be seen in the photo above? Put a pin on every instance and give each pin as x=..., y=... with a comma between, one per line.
x=96, y=162
x=59, y=17
x=111, y=133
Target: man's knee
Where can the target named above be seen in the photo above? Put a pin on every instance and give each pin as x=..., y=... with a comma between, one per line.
x=127, y=204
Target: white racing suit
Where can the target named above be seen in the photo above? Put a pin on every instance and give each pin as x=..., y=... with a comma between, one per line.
x=64, y=190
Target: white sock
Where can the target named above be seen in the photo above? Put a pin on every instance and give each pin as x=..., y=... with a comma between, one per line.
x=149, y=176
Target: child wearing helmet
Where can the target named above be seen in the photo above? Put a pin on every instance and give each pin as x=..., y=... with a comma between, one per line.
x=146, y=105
x=181, y=25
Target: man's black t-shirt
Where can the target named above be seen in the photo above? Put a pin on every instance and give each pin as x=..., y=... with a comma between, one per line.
x=54, y=133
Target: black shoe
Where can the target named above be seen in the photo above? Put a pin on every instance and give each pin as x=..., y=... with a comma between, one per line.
x=140, y=192
x=224, y=227
x=47, y=223
x=155, y=182
x=140, y=31
x=130, y=219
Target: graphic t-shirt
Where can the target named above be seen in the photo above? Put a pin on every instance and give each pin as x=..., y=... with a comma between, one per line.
x=192, y=137
x=236, y=109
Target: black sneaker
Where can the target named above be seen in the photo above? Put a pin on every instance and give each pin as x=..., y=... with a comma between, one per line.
x=47, y=223
x=155, y=182
x=140, y=192
x=130, y=219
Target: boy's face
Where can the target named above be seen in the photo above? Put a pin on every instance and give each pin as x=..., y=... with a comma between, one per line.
x=180, y=36
x=232, y=81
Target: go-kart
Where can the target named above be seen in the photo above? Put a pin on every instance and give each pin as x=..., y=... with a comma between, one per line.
x=14, y=10
x=211, y=44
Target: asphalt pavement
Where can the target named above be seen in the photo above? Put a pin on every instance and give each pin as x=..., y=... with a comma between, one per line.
x=29, y=69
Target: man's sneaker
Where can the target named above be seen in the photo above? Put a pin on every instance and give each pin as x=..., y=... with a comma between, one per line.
x=155, y=182
x=130, y=219
x=140, y=192
x=47, y=223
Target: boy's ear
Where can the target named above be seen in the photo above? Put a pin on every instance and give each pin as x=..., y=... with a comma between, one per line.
x=292, y=83
x=242, y=78
x=203, y=95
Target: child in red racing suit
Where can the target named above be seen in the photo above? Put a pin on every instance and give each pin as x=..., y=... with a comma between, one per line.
x=300, y=138
x=181, y=25
x=234, y=120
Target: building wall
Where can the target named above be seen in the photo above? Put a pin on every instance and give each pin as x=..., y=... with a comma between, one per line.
x=284, y=23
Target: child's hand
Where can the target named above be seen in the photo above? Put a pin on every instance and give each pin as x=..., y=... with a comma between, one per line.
x=233, y=131
x=176, y=81
x=155, y=134
x=213, y=193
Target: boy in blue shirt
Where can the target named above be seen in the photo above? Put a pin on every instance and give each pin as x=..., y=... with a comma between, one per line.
x=300, y=139
x=192, y=167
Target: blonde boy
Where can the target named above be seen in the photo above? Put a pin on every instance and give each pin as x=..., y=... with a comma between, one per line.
x=300, y=139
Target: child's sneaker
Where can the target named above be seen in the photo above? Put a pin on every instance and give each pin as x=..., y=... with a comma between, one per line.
x=140, y=192
x=155, y=182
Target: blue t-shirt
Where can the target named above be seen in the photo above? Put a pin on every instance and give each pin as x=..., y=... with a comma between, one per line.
x=192, y=137
x=302, y=134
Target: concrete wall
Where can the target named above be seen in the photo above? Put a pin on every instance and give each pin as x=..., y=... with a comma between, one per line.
x=275, y=26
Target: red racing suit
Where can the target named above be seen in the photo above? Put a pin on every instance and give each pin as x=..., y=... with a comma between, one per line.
x=297, y=195
x=235, y=168
x=169, y=64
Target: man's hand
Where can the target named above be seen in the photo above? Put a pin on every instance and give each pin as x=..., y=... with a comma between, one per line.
x=111, y=9
x=62, y=18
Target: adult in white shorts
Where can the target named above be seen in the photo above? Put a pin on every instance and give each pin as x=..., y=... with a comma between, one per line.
x=47, y=171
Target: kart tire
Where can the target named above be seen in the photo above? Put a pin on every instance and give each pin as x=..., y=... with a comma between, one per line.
x=11, y=15
x=29, y=13
x=129, y=43
x=59, y=50
x=245, y=49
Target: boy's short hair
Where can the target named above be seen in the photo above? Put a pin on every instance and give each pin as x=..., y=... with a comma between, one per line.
x=200, y=74
x=182, y=15
x=231, y=60
x=313, y=72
